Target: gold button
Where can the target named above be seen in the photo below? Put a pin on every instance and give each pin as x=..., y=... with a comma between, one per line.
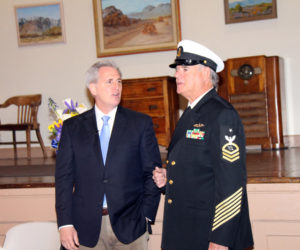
x=171, y=182
x=167, y=161
x=170, y=201
x=205, y=61
x=173, y=163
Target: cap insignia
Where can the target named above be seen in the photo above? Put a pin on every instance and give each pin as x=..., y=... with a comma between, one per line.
x=179, y=51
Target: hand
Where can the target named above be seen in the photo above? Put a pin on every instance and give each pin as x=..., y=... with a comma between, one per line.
x=214, y=246
x=69, y=238
x=160, y=177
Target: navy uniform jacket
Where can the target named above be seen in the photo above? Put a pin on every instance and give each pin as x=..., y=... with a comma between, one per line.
x=206, y=198
x=81, y=178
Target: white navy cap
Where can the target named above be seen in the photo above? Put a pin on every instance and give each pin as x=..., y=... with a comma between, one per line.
x=192, y=53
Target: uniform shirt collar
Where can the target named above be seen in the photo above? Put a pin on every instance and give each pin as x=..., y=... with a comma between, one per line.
x=194, y=103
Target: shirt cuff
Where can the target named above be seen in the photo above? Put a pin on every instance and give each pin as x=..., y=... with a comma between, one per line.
x=65, y=226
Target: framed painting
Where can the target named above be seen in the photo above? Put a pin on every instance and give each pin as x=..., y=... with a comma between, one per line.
x=40, y=23
x=249, y=10
x=136, y=26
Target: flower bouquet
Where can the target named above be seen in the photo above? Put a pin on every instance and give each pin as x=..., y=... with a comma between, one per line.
x=71, y=109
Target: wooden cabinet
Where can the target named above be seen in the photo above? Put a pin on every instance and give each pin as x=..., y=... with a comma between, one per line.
x=157, y=97
x=252, y=85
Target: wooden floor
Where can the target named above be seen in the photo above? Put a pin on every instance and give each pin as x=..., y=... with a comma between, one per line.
x=280, y=166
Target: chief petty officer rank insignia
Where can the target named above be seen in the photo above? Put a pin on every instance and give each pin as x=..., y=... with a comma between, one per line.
x=196, y=133
x=230, y=150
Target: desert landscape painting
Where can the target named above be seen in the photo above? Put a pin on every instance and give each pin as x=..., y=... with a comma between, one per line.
x=39, y=24
x=249, y=10
x=136, y=22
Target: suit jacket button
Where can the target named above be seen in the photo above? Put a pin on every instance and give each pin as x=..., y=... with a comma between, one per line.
x=170, y=201
x=171, y=182
x=105, y=181
x=173, y=163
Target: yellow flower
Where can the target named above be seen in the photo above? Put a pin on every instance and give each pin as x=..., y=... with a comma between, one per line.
x=56, y=123
x=51, y=127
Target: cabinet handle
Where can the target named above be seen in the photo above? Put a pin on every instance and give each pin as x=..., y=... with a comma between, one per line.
x=152, y=107
x=151, y=89
x=155, y=126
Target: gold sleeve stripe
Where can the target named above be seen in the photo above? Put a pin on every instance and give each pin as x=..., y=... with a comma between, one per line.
x=221, y=223
x=226, y=212
x=223, y=219
x=227, y=208
x=237, y=193
x=229, y=202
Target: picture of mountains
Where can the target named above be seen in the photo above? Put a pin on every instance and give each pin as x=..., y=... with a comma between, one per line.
x=39, y=24
x=131, y=27
x=151, y=11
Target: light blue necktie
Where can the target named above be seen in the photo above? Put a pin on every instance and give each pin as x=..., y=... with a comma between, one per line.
x=104, y=137
x=104, y=141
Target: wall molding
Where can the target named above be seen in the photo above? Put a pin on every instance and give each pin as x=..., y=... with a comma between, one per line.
x=292, y=141
x=36, y=152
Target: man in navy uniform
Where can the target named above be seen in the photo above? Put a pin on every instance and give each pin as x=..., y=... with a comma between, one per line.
x=206, y=203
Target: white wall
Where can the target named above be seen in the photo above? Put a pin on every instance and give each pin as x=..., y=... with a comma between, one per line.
x=274, y=213
x=57, y=70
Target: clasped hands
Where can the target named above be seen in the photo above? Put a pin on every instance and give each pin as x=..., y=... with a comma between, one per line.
x=159, y=177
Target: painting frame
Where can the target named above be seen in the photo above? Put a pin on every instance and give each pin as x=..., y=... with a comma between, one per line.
x=103, y=50
x=246, y=16
x=41, y=23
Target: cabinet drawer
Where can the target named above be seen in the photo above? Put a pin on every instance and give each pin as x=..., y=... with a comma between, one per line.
x=159, y=124
x=151, y=106
x=138, y=90
x=157, y=97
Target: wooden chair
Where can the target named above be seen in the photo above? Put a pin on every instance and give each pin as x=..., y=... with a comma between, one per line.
x=27, y=107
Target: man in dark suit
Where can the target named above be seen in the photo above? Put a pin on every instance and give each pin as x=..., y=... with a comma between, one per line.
x=106, y=200
x=206, y=200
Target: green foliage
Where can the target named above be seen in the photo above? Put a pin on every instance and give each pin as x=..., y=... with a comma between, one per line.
x=238, y=8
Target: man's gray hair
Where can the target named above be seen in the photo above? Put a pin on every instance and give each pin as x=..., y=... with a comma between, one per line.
x=92, y=74
x=213, y=76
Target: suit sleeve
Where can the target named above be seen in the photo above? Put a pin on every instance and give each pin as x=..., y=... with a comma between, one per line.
x=64, y=179
x=150, y=158
x=228, y=149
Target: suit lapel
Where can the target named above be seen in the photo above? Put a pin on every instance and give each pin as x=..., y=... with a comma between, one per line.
x=118, y=129
x=92, y=134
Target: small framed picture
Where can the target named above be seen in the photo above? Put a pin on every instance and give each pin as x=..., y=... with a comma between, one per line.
x=136, y=26
x=244, y=10
x=40, y=23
